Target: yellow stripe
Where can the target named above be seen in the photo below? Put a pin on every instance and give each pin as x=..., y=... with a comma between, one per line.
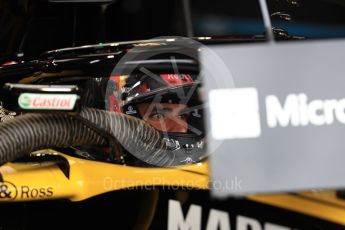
x=299, y=204
x=328, y=197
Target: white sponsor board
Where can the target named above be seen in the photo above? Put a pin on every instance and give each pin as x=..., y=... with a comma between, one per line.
x=276, y=115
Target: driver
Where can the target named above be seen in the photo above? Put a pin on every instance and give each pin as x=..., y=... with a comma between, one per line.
x=170, y=103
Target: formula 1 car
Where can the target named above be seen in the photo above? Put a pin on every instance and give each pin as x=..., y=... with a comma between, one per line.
x=62, y=166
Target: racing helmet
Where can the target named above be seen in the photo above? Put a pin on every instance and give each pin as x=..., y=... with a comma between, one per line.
x=134, y=90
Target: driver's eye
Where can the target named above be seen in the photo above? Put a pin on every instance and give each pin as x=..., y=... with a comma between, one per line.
x=157, y=116
x=183, y=116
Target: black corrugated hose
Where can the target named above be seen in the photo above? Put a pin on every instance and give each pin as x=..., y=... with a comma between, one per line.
x=35, y=131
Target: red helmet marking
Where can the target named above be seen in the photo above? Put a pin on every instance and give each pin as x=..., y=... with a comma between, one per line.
x=176, y=79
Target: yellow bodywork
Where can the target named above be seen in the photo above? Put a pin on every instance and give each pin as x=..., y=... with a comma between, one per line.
x=35, y=181
x=324, y=205
x=42, y=181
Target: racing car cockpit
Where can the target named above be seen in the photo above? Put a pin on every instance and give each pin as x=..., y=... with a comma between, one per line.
x=153, y=87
